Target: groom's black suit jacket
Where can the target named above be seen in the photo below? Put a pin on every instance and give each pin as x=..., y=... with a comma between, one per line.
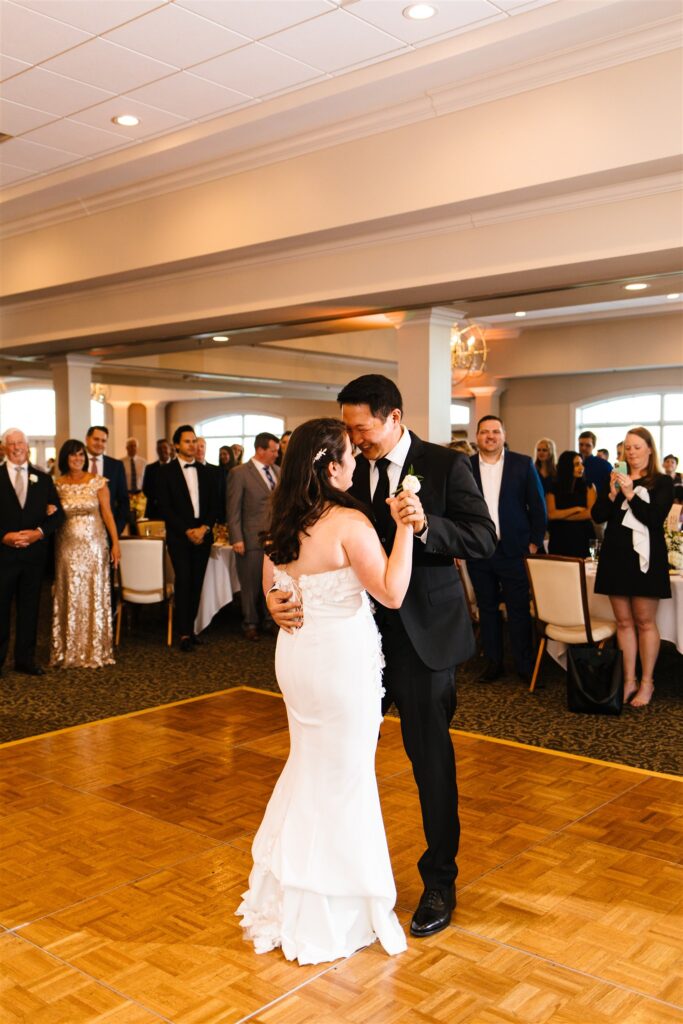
x=434, y=612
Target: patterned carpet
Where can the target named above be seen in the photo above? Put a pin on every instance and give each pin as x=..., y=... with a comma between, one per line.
x=148, y=673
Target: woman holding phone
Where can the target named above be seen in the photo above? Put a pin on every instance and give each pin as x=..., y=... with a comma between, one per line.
x=633, y=568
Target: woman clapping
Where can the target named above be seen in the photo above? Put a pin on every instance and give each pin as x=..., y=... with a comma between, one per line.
x=633, y=566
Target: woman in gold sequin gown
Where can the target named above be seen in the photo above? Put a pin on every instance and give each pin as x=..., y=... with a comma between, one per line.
x=82, y=634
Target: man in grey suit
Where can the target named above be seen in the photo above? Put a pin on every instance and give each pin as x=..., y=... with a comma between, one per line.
x=248, y=514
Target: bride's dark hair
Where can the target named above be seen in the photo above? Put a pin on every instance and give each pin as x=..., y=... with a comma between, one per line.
x=305, y=492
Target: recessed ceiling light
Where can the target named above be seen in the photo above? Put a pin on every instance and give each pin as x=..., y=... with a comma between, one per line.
x=126, y=120
x=419, y=12
x=221, y=337
x=520, y=313
x=637, y=286
x=674, y=295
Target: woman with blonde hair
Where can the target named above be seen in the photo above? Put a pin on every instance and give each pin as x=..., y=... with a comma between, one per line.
x=633, y=568
x=545, y=461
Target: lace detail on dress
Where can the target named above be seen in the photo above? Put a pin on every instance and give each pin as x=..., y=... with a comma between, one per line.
x=334, y=587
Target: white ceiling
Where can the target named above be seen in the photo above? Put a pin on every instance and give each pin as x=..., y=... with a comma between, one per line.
x=68, y=66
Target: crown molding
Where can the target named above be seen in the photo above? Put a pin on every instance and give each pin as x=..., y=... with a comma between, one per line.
x=359, y=239
x=534, y=74
x=560, y=66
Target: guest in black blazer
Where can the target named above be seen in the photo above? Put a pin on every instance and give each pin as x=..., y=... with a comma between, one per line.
x=431, y=633
x=188, y=505
x=102, y=465
x=513, y=493
x=150, y=481
x=29, y=512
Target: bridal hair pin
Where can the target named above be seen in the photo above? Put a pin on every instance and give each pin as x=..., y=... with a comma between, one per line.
x=319, y=454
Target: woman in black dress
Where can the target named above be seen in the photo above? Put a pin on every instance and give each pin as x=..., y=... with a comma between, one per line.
x=635, y=580
x=545, y=461
x=570, y=500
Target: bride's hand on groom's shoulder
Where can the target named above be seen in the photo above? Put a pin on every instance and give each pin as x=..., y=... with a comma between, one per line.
x=285, y=610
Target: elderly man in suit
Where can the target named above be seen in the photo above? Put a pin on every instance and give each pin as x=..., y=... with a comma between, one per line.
x=102, y=465
x=248, y=512
x=30, y=511
x=431, y=633
x=513, y=493
x=187, y=503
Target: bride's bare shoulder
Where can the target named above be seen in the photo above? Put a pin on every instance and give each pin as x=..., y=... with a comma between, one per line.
x=348, y=519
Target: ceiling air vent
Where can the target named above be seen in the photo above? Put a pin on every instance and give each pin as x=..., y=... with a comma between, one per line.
x=4, y=137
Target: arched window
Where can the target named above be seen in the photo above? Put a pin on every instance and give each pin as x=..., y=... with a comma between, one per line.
x=460, y=414
x=661, y=413
x=237, y=428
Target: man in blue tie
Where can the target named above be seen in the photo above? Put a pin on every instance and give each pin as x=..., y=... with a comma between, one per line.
x=248, y=514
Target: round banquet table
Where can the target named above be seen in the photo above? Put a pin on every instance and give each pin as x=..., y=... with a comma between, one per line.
x=220, y=584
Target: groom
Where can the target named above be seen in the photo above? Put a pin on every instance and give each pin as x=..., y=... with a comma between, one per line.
x=430, y=634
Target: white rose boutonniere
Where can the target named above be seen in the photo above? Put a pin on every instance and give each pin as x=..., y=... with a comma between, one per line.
x=410, y=482
x=32, y=479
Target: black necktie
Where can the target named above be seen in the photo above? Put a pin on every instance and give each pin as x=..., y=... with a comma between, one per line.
x=133, y=476
x=379, y=504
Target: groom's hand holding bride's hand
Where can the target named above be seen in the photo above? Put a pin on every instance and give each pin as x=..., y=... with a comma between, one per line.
x=406, y=508
x=285, y=610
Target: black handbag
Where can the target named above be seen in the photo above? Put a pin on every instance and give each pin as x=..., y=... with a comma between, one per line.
x=595, y=680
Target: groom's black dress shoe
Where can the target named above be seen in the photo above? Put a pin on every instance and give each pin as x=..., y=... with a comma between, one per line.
x=30, y=670
x=433, y=912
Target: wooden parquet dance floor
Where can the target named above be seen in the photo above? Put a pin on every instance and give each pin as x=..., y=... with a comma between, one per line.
x=125, y=848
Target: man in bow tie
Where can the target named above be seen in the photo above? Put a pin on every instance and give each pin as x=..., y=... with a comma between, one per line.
x=29, y=512
x=187, y=503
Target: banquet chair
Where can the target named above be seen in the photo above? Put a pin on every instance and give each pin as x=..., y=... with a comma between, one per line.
x=560, y=599
x=142, y=578
x=470, y=596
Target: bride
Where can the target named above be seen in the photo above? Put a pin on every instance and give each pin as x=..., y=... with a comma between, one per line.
x=321, y=886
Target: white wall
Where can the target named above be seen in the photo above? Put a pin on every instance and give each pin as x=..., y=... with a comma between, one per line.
x=544, y=407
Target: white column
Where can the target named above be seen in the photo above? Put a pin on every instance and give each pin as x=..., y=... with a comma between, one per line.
x=156, y=425
x=71, y=378
x=486, y=403
x=424, y=370
x=119, y=432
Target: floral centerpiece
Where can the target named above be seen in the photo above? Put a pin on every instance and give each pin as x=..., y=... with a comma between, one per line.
x=138, y=504
x=674, y=546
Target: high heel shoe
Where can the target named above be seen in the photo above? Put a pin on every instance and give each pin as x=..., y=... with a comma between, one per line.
x=642, y=702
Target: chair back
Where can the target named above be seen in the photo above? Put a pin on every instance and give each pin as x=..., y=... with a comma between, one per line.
x=141, y=570
x=470, y=596
x=558, y=589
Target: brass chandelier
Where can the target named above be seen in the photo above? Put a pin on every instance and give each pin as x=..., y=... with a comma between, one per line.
x=468, y=351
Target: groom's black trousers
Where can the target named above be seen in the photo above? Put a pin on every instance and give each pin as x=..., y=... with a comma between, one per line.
x=426, y=702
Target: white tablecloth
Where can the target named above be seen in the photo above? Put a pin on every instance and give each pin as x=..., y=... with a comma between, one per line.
x=669, y=614
x=220, y=584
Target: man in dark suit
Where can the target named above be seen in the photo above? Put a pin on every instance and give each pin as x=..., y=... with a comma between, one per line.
x=29, y=512
x=187, y=504
x=513, y=493
x=102, y=465
x=248, y=509
x=151, y=478
x=431, y=633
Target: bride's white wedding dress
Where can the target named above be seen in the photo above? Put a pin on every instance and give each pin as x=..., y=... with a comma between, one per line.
x=321, y=886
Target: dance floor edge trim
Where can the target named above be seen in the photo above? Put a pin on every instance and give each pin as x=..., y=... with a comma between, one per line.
x=269, y=693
